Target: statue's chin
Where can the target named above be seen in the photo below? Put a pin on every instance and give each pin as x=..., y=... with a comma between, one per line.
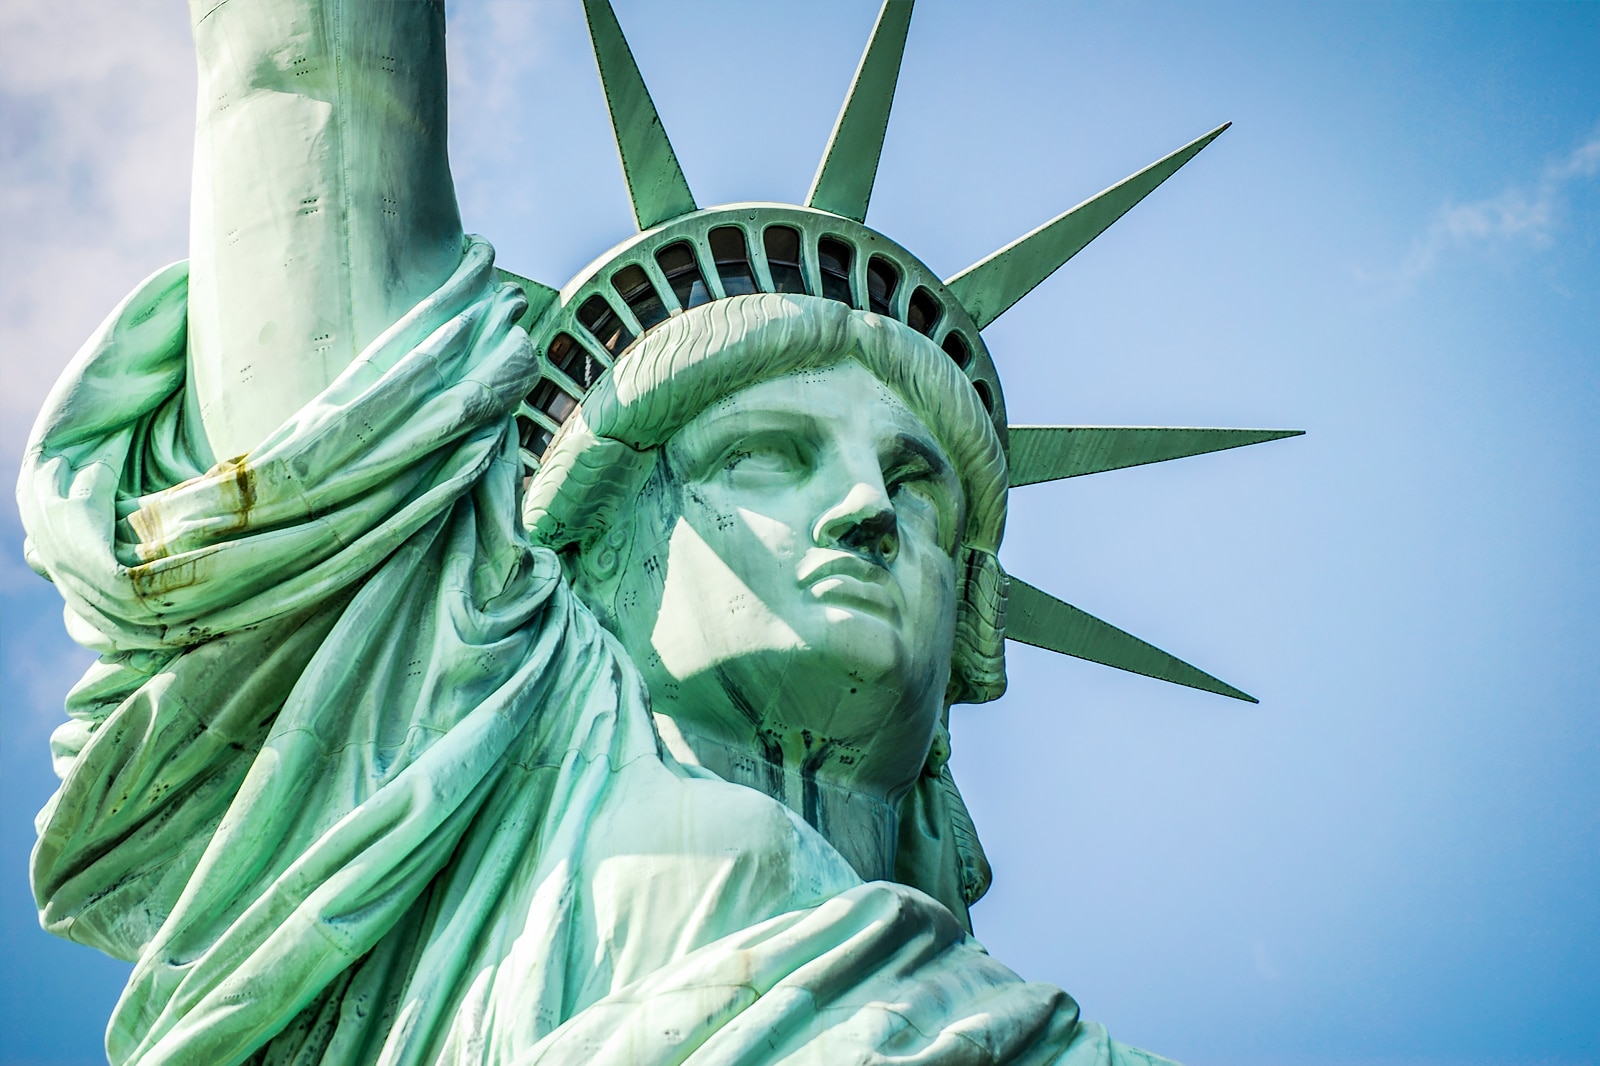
x=854, y=706
x=849, y=642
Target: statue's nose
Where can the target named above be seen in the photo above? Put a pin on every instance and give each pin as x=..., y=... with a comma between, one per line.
x=863, y=523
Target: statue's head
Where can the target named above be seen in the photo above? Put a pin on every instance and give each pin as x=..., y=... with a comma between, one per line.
x=787, y=512
x=770, y=447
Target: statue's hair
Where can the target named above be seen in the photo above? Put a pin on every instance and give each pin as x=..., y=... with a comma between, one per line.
x=605, y=451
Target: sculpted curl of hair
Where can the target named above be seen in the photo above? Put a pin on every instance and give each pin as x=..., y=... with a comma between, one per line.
x=606, y=450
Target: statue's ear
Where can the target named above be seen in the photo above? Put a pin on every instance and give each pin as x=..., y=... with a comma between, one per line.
x=938, y=850
x=978, y=657
x=594, y=565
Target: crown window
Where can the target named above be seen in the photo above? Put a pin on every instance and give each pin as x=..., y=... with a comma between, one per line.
x=834, y=257
x=601, y=320
x=678, y=263
x=572, y=359
x=733, y=261
x=533, y=437
x=924, y=311
x=955, y=346
x=783, y=258
x=985, y=395
x=637, y=291
x=553, y=400
x=882, y=278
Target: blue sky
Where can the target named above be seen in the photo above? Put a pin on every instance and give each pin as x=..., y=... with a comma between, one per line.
x=1393, y=859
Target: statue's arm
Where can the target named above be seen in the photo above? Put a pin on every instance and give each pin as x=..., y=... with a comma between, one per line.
x=323, y=206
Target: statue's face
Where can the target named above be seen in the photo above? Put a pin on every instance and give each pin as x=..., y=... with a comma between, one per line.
x=791, y=580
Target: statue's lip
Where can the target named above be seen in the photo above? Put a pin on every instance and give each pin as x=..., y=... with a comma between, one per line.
x=834, y=563
x=848, y=580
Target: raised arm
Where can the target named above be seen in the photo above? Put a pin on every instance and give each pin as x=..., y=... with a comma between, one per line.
x=323, y=206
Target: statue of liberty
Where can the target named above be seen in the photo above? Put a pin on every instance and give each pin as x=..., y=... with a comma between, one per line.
x=494, y=674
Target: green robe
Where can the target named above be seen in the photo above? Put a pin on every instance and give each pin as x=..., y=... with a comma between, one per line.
x=357, y=778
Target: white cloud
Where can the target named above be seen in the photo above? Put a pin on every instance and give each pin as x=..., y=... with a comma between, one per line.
x=96, y=121
x=1526, y=214
x=96, y=136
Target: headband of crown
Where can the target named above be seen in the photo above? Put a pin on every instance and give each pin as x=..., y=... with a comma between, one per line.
x=684, y=256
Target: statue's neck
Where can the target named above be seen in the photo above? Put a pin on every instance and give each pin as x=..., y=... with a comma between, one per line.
x=860, y=825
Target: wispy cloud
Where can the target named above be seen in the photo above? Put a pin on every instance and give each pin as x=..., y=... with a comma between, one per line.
x=1528, y=214
x=96, y=136
x=96, y=120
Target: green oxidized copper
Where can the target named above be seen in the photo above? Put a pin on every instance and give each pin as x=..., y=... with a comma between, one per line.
x=450, y=670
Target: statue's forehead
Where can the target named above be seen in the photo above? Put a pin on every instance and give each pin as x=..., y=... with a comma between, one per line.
x=845, y=395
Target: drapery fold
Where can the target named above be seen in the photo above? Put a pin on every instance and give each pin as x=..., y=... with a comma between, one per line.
x=357, y=779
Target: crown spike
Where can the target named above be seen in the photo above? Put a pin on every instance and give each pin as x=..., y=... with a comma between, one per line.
x=989, y=287
x=1038, y=618
x=843, y=184
x=1049, y=453
x=656, y=185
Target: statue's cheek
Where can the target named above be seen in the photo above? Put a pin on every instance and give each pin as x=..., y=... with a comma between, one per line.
x=710, y=613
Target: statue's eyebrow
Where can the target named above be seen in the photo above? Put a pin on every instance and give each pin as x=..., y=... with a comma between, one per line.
x=720, y=429
x=926, y=451
x=757, y=417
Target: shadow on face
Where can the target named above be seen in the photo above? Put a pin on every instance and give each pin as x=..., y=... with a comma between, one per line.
x=786, y=581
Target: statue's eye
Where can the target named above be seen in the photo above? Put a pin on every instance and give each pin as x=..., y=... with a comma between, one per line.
x=921, y=487
x=917, y=483
x=764, y=456
x=914, y=474
x=921, y=492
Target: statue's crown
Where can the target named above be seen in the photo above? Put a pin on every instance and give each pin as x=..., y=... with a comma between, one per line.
x=733, y=250
x=684, y=256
